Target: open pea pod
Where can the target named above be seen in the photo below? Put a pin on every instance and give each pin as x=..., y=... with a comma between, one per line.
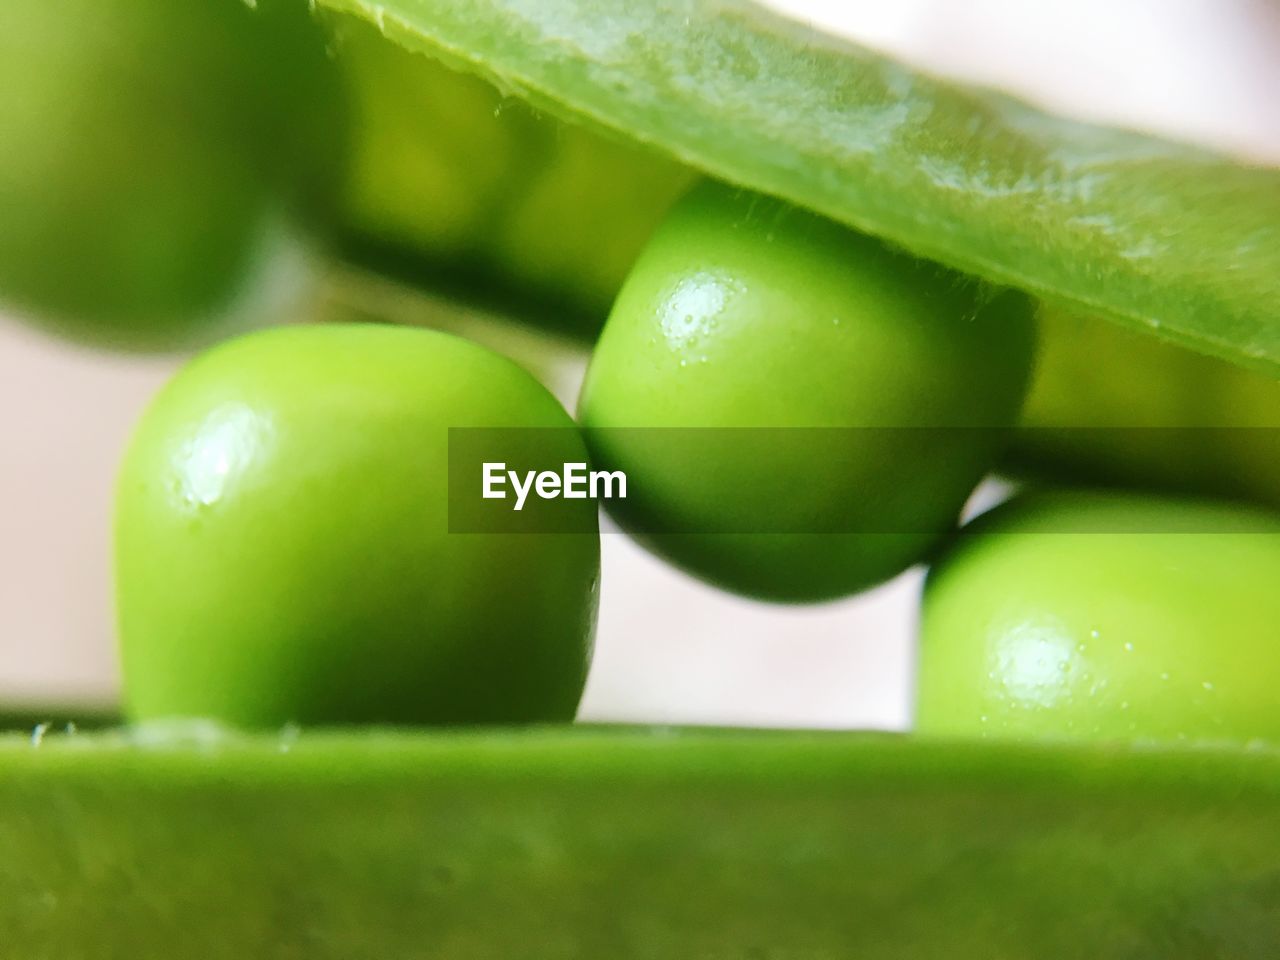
x=633, y=845
x=1158, y=236
x=461, y=190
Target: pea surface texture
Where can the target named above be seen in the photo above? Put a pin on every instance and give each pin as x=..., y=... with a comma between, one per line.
x=874, y=390
x=1105, y=617
x=283, y=551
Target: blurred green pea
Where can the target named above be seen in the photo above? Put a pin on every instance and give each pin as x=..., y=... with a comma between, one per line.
x=164, y=165
x=456, y=186
x=1113, y=407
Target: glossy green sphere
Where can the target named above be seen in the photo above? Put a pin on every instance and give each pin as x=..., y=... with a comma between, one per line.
x=874, y=389
x=161, y=164
x=1105, y=617
x=283, y=544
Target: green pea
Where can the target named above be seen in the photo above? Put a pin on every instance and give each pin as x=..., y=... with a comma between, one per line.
x=1115, y=408
x=1105, y=616
x=283, y=550
x=161, y=163
x=455, y=184
x=744, y=312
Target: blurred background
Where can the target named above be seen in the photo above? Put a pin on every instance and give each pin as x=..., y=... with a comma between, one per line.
x=669, y=650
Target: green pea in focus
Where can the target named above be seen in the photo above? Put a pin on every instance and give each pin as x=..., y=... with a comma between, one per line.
x=283, y=551
x=744, y=312
x=1105, y=617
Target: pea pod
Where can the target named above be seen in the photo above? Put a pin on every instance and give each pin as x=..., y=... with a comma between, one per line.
x=629, y=845
x=1157, y=236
